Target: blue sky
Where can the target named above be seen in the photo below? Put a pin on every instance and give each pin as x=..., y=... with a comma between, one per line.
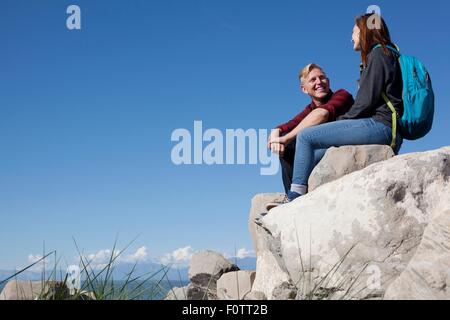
x=86, y=116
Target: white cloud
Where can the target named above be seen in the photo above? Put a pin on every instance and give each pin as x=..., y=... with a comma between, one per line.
x=140, y=255
x=178, y=256
x=101, y=258
x=96, y=261
x=32, y=258
x=240, y=254
x=244, y=253
x=47, y=263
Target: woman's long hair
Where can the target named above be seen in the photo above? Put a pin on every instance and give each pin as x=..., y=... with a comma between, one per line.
x=378, y=34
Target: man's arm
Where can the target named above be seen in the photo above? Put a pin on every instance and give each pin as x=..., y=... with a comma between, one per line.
x=290, y=125
x=273, y=143
x=338, y=105
x=316, y=117
x=340, y=102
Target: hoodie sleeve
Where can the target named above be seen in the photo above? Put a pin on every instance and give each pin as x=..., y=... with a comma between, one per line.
x=372, y=83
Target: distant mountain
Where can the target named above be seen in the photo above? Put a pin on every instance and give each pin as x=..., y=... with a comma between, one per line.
x=143, y=269
x=26, y=275
x=151, y=269
x=248, y=263
x=120, y=272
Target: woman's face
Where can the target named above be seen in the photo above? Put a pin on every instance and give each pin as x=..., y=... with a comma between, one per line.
x=356, y=38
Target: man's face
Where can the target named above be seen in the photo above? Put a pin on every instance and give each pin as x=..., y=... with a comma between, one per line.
x=316, y=84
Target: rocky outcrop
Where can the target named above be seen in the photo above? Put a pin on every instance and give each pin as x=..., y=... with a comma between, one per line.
x=380, y=232
x=271, y=272
x=235, y=285
x=33, y=290
x=255, y=295
x=205, y=269
x=177, y=293
x=341, y=161
x=427, y=275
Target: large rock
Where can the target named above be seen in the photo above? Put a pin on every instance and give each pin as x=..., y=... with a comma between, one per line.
x=357, y=236
x=271, y=272
x=341, y=161
x=206, y=267
x=190, y=292
x=177, y=293
x=427, y=275
x=194, y=292
x=235, y=285
x=32, y=290
x=255, y=295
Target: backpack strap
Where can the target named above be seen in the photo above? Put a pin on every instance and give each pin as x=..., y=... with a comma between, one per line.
x=394, y=119
x=396, y=50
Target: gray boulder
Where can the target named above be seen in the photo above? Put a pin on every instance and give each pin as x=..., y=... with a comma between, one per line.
x=255, y=295
x=191, y=292
x=370, y=234
x=341, y=161
x=33, y=290
x=205, y=268
x=427, y=275
x=271, y=271
x=235, y=285
x=177, y=293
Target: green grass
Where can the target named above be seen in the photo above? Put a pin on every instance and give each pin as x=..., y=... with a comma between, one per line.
x=98, y=284
x=326, y=287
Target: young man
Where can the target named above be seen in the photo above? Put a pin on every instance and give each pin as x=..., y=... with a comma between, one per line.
x=325, y=106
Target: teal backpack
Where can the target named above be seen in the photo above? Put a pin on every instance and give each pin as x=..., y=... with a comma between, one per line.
x=418, y=99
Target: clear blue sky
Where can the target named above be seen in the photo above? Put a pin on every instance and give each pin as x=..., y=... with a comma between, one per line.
x=86, y=116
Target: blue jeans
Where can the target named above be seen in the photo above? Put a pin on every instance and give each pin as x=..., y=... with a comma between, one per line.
x=287, y=163
x=336, y=134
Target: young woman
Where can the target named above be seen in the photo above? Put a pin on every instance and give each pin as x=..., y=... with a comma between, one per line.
x=369, y=120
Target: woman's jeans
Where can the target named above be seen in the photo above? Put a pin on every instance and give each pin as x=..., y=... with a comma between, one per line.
x=287, y=163
x=314, y=141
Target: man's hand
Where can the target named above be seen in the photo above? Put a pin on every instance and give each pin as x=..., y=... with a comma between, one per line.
x=276, y=143
x=275, y=134
x=282, y=140
x=277, y=148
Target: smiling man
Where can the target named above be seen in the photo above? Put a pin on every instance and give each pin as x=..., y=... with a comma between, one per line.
x=325, y=106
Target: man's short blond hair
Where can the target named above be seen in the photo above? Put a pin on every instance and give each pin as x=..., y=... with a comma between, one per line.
x=307, y=70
